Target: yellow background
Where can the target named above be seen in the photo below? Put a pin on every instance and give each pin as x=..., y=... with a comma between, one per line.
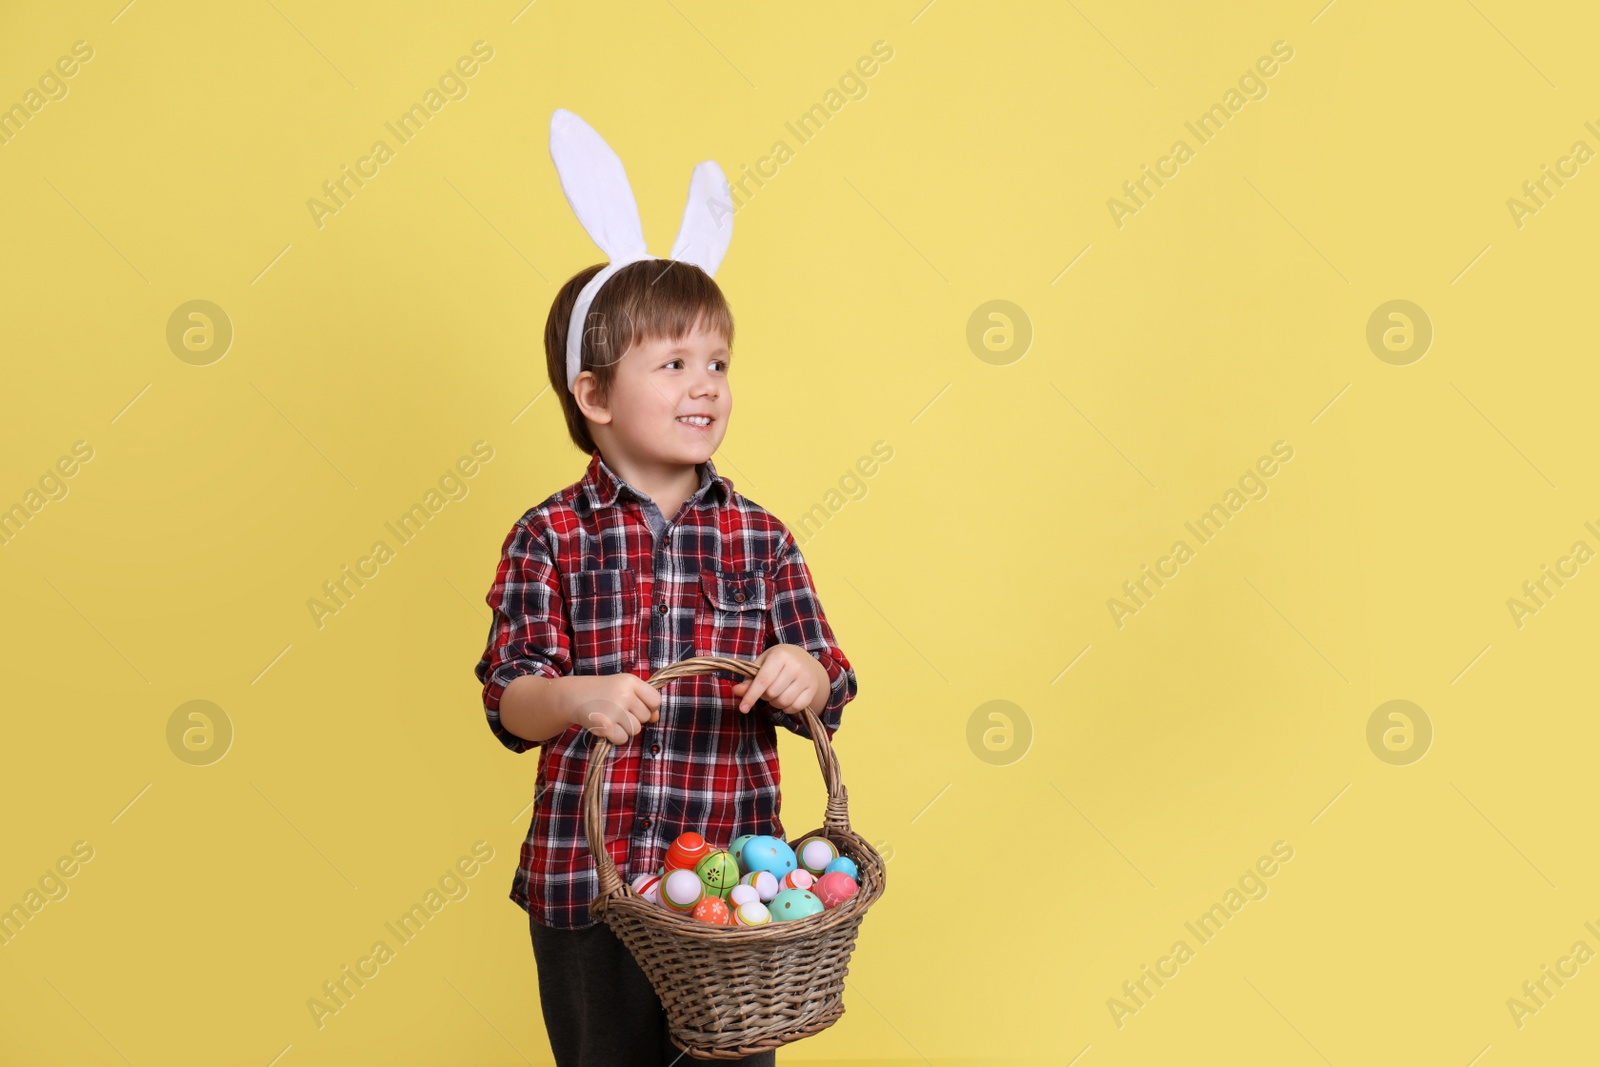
x=1229, y=313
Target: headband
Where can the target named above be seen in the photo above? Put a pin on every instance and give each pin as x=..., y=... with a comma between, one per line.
x=597, y=188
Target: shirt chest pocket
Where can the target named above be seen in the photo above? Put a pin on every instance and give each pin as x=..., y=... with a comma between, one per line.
x=603, y=613
x=734, y=610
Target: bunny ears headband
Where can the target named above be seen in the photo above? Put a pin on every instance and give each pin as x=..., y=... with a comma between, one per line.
x=597, y=188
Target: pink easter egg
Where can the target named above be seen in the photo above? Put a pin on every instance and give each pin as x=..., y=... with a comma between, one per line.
x=834, y=888
x=799, y=878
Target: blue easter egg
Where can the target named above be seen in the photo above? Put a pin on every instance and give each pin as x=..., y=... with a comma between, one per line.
x=763, y=853
x=845, y=864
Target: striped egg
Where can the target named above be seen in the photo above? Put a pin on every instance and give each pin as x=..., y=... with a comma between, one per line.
x=815, y=853
x=648, y=886
x=799, y=878
x=681, y=890
x=753, y=913
x=765, y=883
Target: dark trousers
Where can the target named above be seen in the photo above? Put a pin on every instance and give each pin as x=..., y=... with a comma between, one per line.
x=599, y=1009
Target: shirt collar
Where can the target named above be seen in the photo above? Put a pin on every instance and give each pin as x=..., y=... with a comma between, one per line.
x=603, y=486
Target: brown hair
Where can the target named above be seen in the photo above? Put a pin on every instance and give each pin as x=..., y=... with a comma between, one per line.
x=647, y=300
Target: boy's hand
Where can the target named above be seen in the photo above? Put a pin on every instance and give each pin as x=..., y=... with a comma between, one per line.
x=790, y=679
x=612, y=706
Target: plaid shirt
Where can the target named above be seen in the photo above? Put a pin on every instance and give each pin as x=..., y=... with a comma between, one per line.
x=595, y=581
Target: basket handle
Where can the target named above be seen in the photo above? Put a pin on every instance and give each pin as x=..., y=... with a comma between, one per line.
x=836, y=819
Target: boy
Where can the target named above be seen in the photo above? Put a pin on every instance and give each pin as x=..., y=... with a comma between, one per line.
x=650, y=558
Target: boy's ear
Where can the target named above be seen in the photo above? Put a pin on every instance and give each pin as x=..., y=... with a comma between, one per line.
x=586, y=391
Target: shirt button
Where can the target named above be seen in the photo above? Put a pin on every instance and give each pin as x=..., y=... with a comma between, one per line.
x=645, y=824
x=662, y=607
x=738, y=596
x=655, y=748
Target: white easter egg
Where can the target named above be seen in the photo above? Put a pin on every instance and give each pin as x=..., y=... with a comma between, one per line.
x=765, y=883
x=681, y=890
x=816, y=853
x=753, y=913
x=743, y=894
x=648, y=886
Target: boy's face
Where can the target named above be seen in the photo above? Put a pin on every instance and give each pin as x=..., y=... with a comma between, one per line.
x=660, y=383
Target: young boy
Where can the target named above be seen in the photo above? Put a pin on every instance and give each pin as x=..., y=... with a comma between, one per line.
x=649, y=558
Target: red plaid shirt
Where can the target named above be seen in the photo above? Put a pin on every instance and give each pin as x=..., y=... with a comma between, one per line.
x=585, y=586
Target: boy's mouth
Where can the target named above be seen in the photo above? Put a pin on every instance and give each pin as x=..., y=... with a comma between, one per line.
x=701, y=421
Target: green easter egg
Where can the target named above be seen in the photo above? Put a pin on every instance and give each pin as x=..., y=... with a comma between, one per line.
x=718, y=872
x=793, y=904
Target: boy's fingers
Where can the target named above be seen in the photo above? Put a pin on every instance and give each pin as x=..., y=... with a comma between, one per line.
x=790, y=695
x=758, y=685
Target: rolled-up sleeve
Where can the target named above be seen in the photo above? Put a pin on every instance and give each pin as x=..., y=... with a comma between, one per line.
x=529, y=631
x=795, y=617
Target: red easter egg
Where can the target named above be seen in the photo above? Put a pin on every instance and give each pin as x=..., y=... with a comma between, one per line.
x=834, y=888
x=712, y=910
x=689, y=849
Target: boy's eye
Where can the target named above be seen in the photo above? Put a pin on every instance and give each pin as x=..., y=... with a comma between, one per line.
x=679, y=362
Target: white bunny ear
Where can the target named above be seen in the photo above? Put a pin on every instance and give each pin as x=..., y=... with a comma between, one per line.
x=596, y=186
x=707, y=219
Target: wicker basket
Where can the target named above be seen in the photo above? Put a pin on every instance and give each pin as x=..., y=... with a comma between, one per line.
x=730, y=991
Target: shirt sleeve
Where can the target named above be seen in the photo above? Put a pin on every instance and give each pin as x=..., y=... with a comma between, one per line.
x=529, y=631
x=795, y=618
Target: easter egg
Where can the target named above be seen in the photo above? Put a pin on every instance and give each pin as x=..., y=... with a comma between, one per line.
x=689, y=849
x=649, y=887
x=792, y=904
x=846, y=865
x=765, y=883
x=751, y=913
x=815, y=853
x=797, y=879
x=718, y=871
x=737, y=848
x=767, y=854
x=681, y=890
x=834, y=888
x=712, y=910
x=743, y=893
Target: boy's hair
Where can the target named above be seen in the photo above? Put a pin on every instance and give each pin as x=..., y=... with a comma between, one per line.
x=647, y=300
